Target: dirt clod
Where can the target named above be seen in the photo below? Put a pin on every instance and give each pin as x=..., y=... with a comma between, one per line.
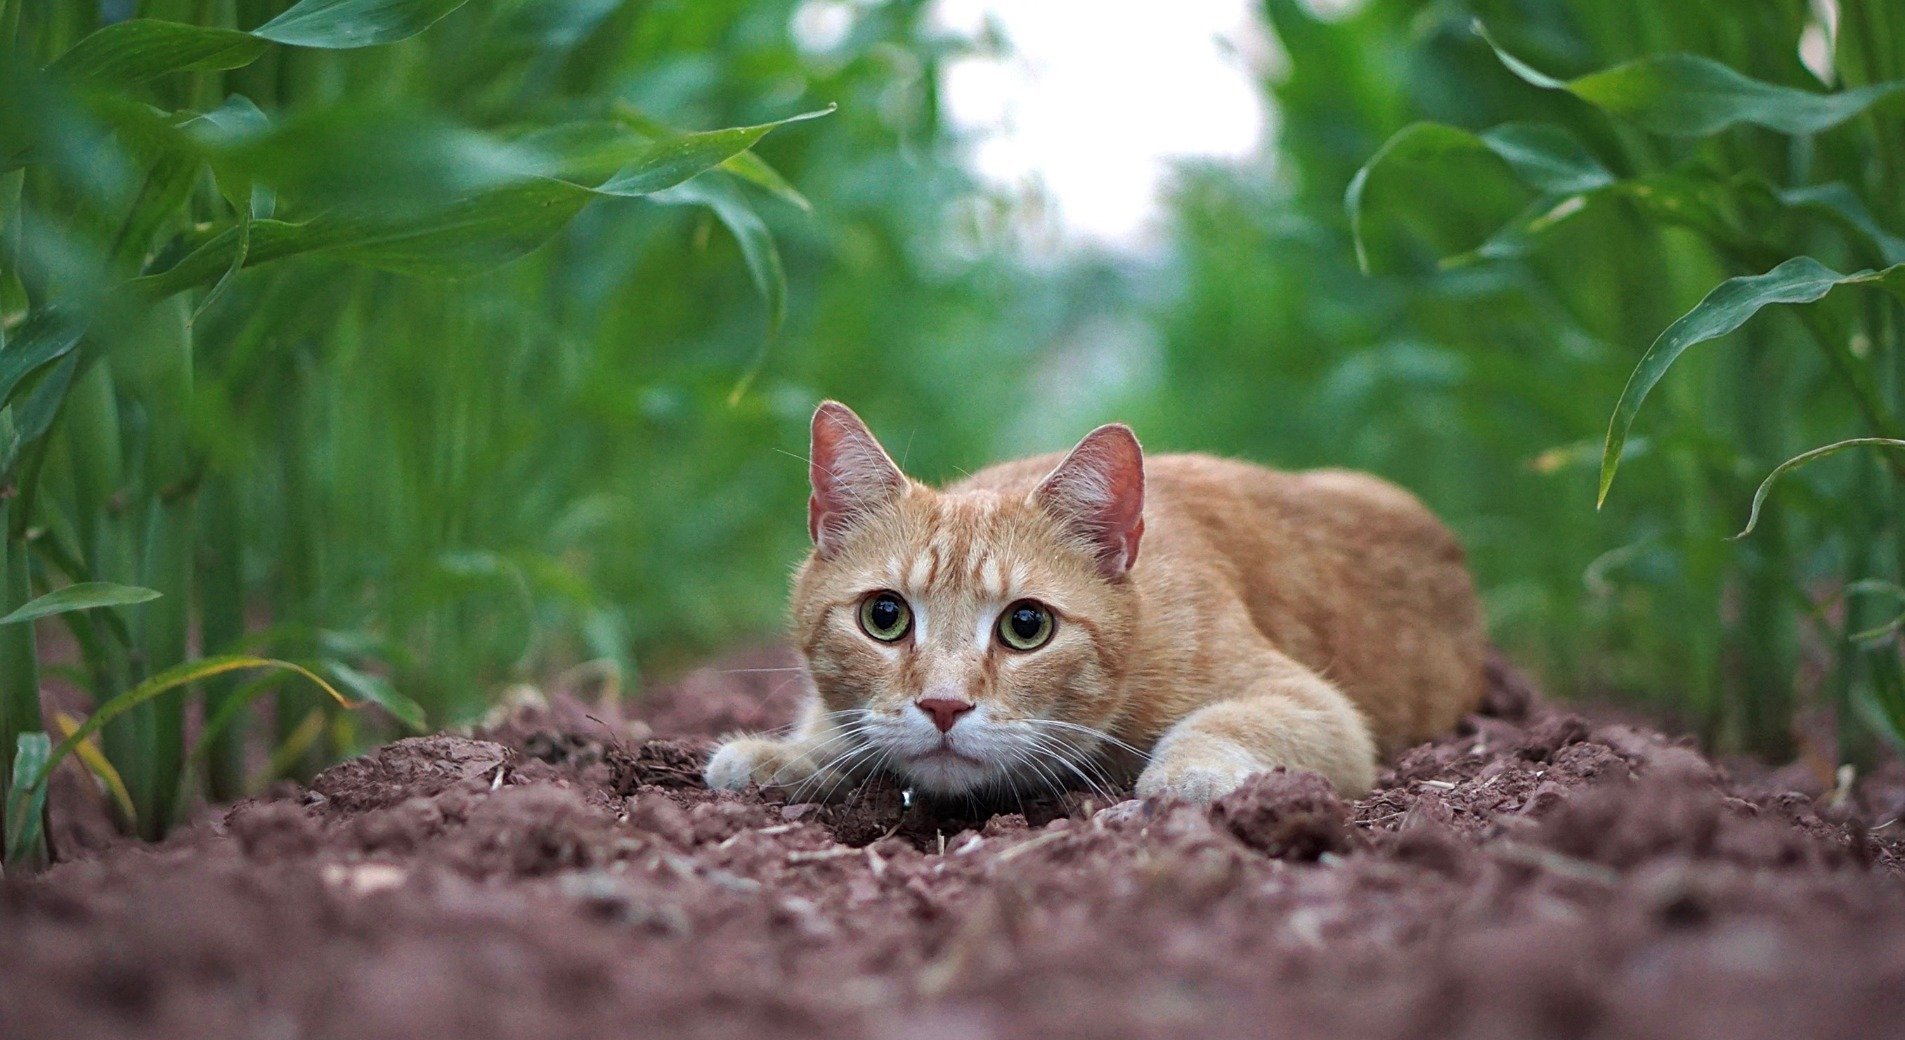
x=1291, y=815
x=1536, y=873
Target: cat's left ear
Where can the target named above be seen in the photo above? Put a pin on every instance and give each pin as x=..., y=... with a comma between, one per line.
x=1099, y=492
x=852, y=476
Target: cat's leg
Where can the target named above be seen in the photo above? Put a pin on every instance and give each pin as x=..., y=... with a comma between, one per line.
x=807, y=761
x=1286, y=715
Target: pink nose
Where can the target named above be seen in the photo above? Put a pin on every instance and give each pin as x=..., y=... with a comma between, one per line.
x=944, y=711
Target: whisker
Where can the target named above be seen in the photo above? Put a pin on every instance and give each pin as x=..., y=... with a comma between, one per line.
x=813, y=752
x=1096, y=734
x=1096, y=782
x=1028, y=756
x=841, y=767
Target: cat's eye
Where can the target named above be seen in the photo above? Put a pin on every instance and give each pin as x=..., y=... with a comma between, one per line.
x=1025, y=625
x=885, y=616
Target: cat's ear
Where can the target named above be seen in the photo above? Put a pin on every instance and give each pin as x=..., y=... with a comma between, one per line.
x=851, y=475
x=1099, y=492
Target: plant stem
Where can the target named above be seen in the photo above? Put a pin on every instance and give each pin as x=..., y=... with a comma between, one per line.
x=221, y=586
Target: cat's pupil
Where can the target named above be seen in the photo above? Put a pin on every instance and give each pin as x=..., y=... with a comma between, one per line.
x=1026, y=623
x=885, y=613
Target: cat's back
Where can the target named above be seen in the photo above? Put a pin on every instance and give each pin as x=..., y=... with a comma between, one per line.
x=1229, y=498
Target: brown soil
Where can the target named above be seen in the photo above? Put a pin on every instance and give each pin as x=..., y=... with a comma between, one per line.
x=1535, y=875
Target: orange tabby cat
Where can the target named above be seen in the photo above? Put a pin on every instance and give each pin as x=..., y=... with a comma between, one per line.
x=1187, y=619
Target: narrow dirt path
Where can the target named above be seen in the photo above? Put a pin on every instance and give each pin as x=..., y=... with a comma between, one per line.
x=1536, y=874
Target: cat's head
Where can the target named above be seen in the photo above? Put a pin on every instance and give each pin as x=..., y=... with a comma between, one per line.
x=970, y=639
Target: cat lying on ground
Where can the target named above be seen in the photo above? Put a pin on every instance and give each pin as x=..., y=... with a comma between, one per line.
x=1048, y=623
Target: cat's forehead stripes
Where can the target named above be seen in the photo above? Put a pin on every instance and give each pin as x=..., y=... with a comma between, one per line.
x=965, y=550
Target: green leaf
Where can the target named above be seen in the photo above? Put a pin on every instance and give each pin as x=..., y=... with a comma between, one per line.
x=87, y=595
x=671, y=161
x=1766, y=486
x=1840, y=204
x=48, y=335
x=757, y=245
x=1546, y=158
x=158, y=685
x=126, y=54
x=377, y=690
x=26, y=799
x=1681, y=95
x=483, y=231
x=34, y=416
x=1885, y=631
x=129, y=53
x=747, y=165
x=345, y=24
x=757, y=250
x=1730, y=305
x=756, y=171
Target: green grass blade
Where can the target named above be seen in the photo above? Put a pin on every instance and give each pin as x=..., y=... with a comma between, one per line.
x=86, y=595
x=1766, y=486
x=1730, y=305
x=49, y=334
x=757, y=245
x=1682, y=95
x=1545, y=158
x=95, y=762
x=26, y=801
x=126, y=54
x=674, y=160
x=36, y=414
x=475, y=234
x=346, y=24
x=165, y=682
x=376, y=690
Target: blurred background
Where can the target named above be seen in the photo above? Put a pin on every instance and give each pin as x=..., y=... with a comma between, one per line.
x=415, y=344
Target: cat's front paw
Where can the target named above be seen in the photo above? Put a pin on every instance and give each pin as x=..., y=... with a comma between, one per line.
x=1202, y=782
x=746, y=760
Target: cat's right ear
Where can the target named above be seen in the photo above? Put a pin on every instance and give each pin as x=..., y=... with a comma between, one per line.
x=1099, y=492
x=851, y=475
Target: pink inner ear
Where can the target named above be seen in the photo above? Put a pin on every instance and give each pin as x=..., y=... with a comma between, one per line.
x=1099, y=491
x=851, y=474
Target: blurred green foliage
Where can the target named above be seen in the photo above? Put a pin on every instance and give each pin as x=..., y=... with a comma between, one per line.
x=389, y=372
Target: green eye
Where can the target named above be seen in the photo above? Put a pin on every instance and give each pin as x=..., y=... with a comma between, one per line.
x=1025, y=625
x=885, y=616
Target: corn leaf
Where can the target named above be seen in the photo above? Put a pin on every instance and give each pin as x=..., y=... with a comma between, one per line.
x=345, y=24
x=1681, y=95
x=128, y=53
x=95, y=760
x=1886, y=630
x=377, y=690
x=132, y=52
x=748, y=166
x=1838, y=203
x=35, y=415
x=670, y=161
x=87, y=595
x=1545, y=158
x=26, y=799
x=1730, y=305
x=48, y=335
x=757, y=245
x=1766, y=486
x=165, y=682
x=480, y=232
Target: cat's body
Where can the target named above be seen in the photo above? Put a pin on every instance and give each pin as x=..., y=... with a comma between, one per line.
x=1311, y=620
